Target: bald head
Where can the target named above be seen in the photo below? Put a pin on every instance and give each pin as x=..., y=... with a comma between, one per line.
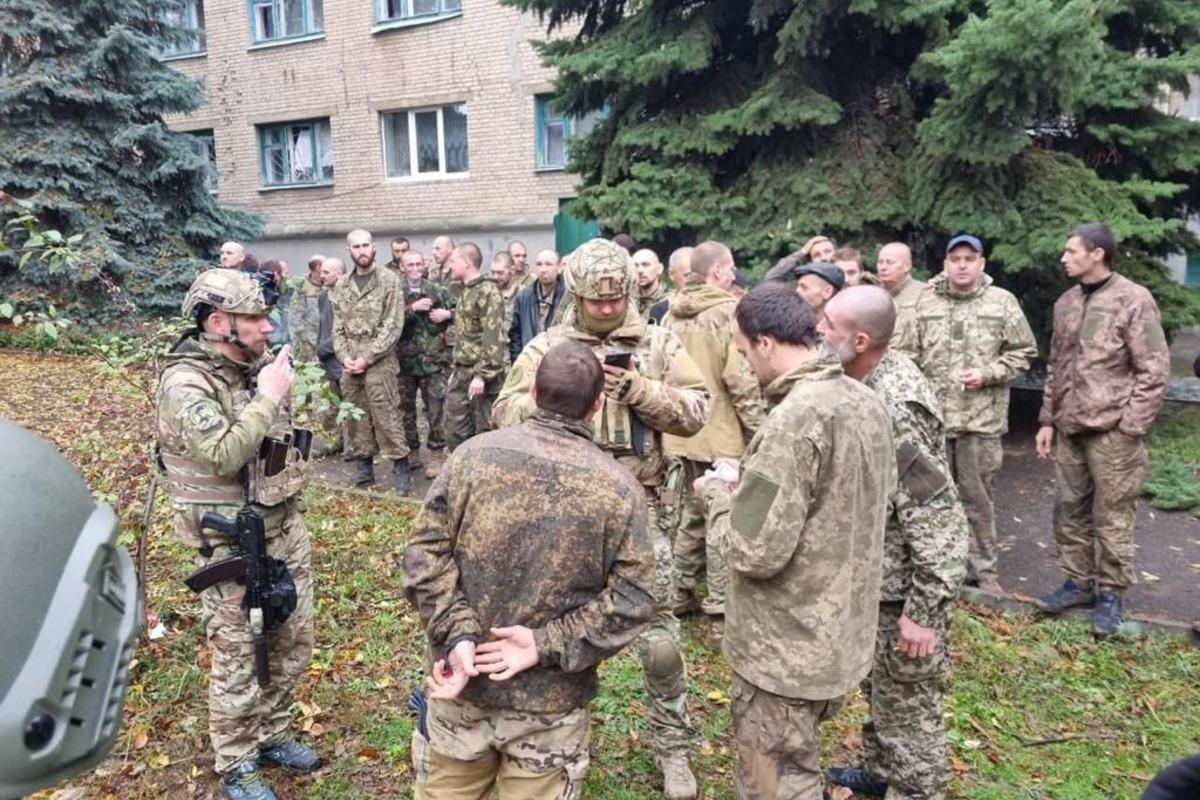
x=331, y=270
x=679, y=266
x=857, y=326
x=443, y=246
x=359, y=235
x=709, y=257
x=232, y=255
x=893, y=265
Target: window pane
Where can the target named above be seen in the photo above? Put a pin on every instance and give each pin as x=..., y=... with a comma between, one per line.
x=420, y=7
x=264, y=21
x=454, y=125
x=300, y=154
x=294, y=23
x=325, y=150
x=316, y=13
x=274, y=157
x=553, y=145
x=427, y=141
x=395, y=144
x=452, y=5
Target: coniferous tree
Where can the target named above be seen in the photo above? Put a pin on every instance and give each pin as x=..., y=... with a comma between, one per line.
x=82, y=138
x=762, y=122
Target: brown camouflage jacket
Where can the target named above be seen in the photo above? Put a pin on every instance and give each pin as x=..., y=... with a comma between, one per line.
x=925, y=545
x=702, y=317
x=906, y=309
x=480, y=329
x=1109, y=363
x=985, y=330
x=674, y=398
x=367, y=323
x=534, y=525
x=805, y=529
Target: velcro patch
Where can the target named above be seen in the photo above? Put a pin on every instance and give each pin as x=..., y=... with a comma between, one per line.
x=755, y=496
x=203, y=416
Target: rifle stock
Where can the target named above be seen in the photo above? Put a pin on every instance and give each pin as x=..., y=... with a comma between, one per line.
x=229, y=569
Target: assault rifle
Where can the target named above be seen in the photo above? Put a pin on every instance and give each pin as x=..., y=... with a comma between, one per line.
x=270, y=590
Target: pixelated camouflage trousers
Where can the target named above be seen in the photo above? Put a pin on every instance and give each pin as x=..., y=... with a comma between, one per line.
x=904, y=735
x=472, y=750
x=1099, y=477
x=432, y=389
x=779, y=747
x=697, y=553
x=380, y=431
x=466, y=417
x=242, y=716
x=974, y=462
x=664, y=672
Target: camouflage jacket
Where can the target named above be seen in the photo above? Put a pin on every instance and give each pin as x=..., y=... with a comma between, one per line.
x=367, y=323
x=1109, y=364
x=925, y=545
x=702, y=317
x=804, y=528
x=421, y=348
x=648, y=298
x=480, y=329
x=304, y=320
x=210, y=423
x=533, y=525
x=983, y=330
x=510, y=298
x=906, y=309
x=674, y=399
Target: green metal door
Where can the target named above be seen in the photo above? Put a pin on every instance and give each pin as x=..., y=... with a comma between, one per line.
x=570, y=231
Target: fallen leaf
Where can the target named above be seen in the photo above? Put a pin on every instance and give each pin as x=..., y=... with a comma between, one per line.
x=140, y=737
x=718, y=697
x=158, y=760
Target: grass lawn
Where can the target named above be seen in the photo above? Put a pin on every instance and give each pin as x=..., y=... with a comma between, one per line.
x=1121, y=709
x=1173, y=482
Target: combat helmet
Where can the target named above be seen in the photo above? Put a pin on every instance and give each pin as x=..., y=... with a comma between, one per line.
x=231, y=291
x=599, y=270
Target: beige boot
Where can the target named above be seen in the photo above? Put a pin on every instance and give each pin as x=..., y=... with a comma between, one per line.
x=678, y=781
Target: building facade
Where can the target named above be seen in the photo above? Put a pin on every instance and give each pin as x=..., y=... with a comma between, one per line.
x=405, y=117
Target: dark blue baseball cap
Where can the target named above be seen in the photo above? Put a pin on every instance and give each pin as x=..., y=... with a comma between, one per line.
x=967, y=239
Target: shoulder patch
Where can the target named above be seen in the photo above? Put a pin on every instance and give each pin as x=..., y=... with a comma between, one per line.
x=203, y=416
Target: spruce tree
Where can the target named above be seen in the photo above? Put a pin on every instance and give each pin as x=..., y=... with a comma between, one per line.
x=762, y=122
x=82, y=139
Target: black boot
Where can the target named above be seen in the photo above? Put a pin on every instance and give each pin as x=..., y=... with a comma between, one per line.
x=364, y=473
x=402, y=475
x=1107, y=615
x=857, y=779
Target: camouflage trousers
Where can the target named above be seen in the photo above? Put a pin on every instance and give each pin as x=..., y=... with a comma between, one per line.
x=904, y=735
x=664, y=672
x=466, y=417
x=472, y=750
x=779, y=747
x=697, y=552
x=432, y=389
x=242, y=716
x=1099, y=477
x=304, y=349
x=380, y=430
x=974, y=462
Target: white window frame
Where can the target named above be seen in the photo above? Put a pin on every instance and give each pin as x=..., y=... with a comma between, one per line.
x=193, y=14
x=406, y=11
x=311, y=27
x=411, y=115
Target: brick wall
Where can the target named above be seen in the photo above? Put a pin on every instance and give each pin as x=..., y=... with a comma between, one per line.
x=482, y=58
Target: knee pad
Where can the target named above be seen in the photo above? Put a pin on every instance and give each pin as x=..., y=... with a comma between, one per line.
x=662, y=662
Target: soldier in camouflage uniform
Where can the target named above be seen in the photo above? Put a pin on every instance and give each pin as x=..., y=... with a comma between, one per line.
x=423, y=356
x=805, y=527
x=1105, y=382
x=924, y=562
x=971, y=340
x=305, y=316
x=663, y=391
x=480, y=348
x=894, y=266
x=219, y=397
x=538, y=500
x=368, y=317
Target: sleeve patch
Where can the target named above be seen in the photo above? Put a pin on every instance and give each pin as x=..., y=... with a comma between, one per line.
x=203, y=416
x=753, y=502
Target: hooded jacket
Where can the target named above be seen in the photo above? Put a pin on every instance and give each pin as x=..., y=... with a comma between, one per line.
x=702, y=318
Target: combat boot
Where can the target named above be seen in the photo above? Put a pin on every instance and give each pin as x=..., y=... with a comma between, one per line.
x=246, y=783
x=1069, y=595
x=414, y=457
x=364, y=473
x=1106, y=617
x=858, y=780
x=402, y=476
x=686, y=602
x=678, y=781
x=290, y=754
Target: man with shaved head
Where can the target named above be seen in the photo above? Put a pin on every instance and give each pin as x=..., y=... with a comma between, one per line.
x=679, y=266
x=368, y=316
x=894, y=266
x=540, y=306
x=649, y=274
x=443, y=246
x=521, y=276
x=233, y=255
x=924, y=561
